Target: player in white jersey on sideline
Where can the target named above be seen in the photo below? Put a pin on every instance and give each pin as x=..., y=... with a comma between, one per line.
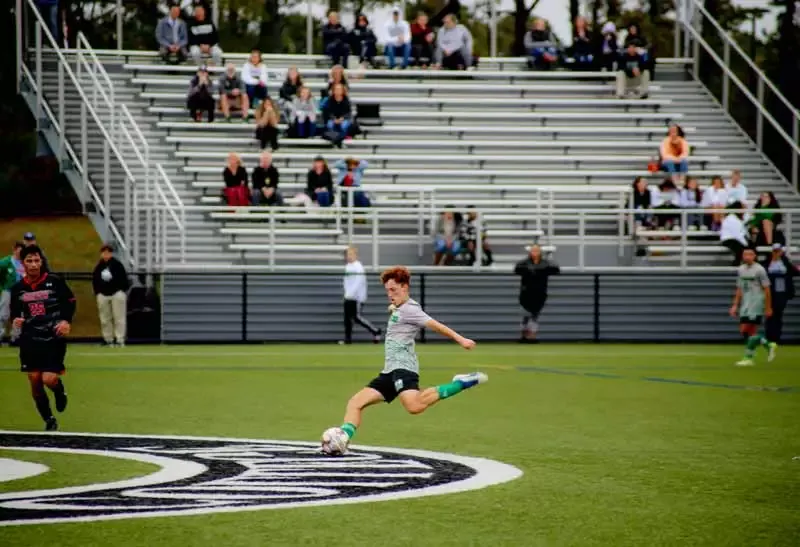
x=752, y=302
x=355, y=294
x=400, y=375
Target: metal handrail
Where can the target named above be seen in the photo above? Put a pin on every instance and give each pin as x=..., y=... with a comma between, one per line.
x=83, y=47
x=732, y=44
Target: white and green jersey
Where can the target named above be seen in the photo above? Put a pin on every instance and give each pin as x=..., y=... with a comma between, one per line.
x=752, y=280
x=404, y=324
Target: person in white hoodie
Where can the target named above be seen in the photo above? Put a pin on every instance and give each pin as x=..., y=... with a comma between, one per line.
x=736, y=190
x=398, y=39
x=355, y=294
x=254, y=76
x=733, y=233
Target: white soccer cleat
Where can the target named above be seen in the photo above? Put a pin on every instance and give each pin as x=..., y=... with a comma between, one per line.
x=771, y=347
x=745, y=363
x=472, y=379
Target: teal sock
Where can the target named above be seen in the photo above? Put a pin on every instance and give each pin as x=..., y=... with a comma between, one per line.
x=448, y=390
x=349, y=428
x=753, y=342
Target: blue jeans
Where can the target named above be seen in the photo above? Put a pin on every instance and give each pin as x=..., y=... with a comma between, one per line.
x=50, y=15
x=324, y=199
x=673, y=167
x=256, y=94
x=305, y=129
x=440, y=246
x=404, y=50
x=342, y=128
x=338, y=52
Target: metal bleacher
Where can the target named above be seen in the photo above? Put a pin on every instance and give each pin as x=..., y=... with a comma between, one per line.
x=526, y=148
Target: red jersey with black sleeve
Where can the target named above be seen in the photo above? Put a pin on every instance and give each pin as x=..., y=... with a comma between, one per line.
x=42, y=304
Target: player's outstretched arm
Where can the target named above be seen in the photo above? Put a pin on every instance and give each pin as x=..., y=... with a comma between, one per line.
x=444, y=330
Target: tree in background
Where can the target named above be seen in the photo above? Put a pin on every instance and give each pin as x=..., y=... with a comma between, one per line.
x=522, y=14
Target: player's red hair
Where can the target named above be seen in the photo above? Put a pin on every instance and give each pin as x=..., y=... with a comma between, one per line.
x=400, y=274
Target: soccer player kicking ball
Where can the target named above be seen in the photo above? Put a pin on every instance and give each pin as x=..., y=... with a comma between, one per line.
x=400, y=375
x=753, y=302
x=42, y=307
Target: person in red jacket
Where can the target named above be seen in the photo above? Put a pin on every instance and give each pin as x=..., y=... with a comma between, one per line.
x=422, y=38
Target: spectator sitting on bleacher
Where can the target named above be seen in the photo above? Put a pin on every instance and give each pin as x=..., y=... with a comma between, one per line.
x=337, y=115
x=691, y=197
x=199, y=98
x=232, y=95
x=582, y=45
x=735, y=189
x=447, y=243
x=541, y=46
x=636, y=39
x=319, y=186
x=334, y=40
x=335, y=76
x=715, y=197
x=288, y=92
x=267, y=119
x=254, y=76
x=453, y=45
x=203, y=38
x=398, y=39
x=172, y=36
x=349, y=173
x=733, y=234
x=675, y=154
x=763, y=224
x=642, y=201
x=609, y=47
x=235, y=177
x=303, y=122
x=632, y=77
x=422, y=38
x=666, y=198
x=265, y=182
x=363, y=42
x=468, y=235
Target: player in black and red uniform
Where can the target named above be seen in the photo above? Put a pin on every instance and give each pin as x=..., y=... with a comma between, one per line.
x=42, y=307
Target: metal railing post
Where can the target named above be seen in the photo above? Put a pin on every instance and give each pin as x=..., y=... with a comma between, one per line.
x=676, y=45
x=349, y=193
x=61, y=114
x=310, y=29
x=420, y=223
x=18, y=16
x=726, y=59
x=582, y=240
x=795, y=154
x=85, y=153
x=165, y=240
x=684, y=239
x=760, y=118
x=39, y=88
x=126, y=221
x=272, y=240
x=106, y=177
x=375, y=237
x=119, y=25
x=479, y=242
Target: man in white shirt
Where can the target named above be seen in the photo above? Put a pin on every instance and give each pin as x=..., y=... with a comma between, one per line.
x=736, y=191
x=398, y=39
x=355, y=294
x=733, y=233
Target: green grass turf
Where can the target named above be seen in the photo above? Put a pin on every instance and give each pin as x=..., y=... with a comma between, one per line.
x=72, y=470
x=612, y=453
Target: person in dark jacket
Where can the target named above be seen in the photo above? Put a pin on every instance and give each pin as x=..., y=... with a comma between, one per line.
x=642, y=200
x=334, y=40
x=199, y=98
x=534, y=272
x=110, y=283
x=540, y=45
x=609, y=47
x=203, y=38
x=236, y=190
x=265, y=182
x=363, y=42
x=582, y=45
x=289, y=90
x=319, y=186
x=781, y=274
x=337, y=115
x=423, y=40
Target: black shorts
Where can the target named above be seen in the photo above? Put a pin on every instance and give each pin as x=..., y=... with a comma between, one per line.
x=391, y=384
x=533, y=306
x=751, y=320
x=42, y=357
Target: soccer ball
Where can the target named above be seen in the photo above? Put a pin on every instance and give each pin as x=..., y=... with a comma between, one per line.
x=334, y=441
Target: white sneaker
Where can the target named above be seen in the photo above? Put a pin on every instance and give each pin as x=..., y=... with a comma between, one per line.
x=471, y=379
x=772, y=346
x=745, y=363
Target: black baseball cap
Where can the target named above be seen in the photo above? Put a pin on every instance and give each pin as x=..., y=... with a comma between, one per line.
x=29, y=236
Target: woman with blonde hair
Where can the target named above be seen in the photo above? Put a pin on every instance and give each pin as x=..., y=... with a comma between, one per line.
x=304, y=115
x=267, y=119
x=236, y=190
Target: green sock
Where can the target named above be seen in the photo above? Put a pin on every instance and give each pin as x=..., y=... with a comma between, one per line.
x=752, y=343
x=349, y=428
x=448, y=390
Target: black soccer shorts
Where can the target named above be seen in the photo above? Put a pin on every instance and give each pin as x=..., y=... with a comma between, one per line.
x=391, y=384
x=750, y=320
x=42, y=357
